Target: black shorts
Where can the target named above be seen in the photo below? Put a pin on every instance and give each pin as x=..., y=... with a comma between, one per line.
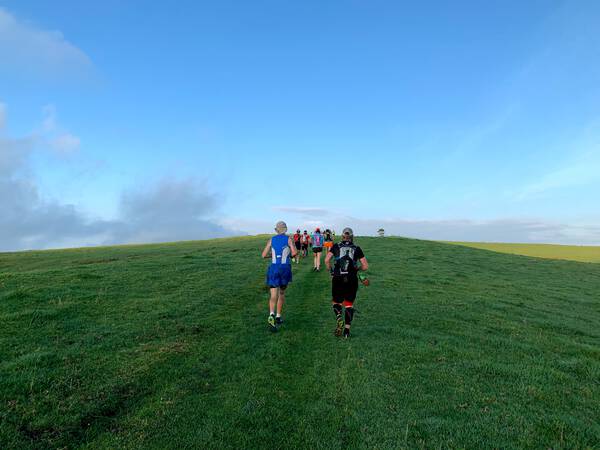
x=317, y=249
x=343, y=288
x=304, y=246
x=298, y=245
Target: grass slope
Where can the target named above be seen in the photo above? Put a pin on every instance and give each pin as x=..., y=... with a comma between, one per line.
x=166, y=346
x=571, y=252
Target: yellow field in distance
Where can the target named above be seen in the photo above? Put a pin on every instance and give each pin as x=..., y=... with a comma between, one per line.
x=571, y=252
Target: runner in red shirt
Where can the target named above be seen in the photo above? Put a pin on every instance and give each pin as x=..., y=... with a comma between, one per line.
x=305, y=240
x=298, y=244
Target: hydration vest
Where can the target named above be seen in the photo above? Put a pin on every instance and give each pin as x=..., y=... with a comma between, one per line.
x=344, y=260
x=317, y=240
x=280, y=250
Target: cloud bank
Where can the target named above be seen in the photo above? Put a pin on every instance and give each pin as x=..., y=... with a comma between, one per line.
x=169, y=210
x=187, y=209
x=38, y=50
x=498, y=230
x=303, y=211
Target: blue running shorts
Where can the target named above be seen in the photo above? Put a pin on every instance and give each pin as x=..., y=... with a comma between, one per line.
x=279, y=275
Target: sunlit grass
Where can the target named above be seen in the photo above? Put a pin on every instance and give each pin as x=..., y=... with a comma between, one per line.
x=570, y=252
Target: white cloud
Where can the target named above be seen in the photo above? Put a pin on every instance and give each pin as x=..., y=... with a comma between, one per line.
x=249, y=226
x=54, y=136
x=65, y=143
x=304, y=211
x=169, y=210
x=500, y=230
x=26, y=48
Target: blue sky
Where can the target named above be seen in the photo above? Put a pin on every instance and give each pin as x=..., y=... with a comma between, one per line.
x=131, y=121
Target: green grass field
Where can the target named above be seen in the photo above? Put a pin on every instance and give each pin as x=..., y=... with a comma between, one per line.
x=166, y=346
x=570, y=252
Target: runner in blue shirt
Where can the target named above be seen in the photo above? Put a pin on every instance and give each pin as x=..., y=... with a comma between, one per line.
x=281, y=249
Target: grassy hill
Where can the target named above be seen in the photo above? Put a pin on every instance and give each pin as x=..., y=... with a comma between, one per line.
x=166, y=346
x=580, y=253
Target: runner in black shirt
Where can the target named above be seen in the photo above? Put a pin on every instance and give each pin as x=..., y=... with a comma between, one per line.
x=344, y=281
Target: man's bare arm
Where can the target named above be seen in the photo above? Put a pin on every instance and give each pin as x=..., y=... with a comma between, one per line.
x=364, y=265
x=328, y=260
x=292, y=247
x=267, y=250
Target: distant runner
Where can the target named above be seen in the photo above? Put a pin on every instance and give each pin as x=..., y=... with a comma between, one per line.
x=305, y=240
x=317, y=248
x=328, y=238
x=279, y=274
x=344, y=281
x=298, y=245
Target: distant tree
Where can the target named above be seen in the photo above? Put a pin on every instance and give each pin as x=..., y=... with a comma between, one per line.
x=381, y=232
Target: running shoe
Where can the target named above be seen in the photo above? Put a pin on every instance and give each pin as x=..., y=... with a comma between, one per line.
x=339, y=326
x=272, y=322
x=278, y=321
x=346, y=333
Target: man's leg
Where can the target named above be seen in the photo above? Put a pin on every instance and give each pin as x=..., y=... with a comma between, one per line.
x=336, y=304
x=273, y=300
x=339, y=322
x=318, y=255
x=348, y=316
x=281, y=300
x=272, y=305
